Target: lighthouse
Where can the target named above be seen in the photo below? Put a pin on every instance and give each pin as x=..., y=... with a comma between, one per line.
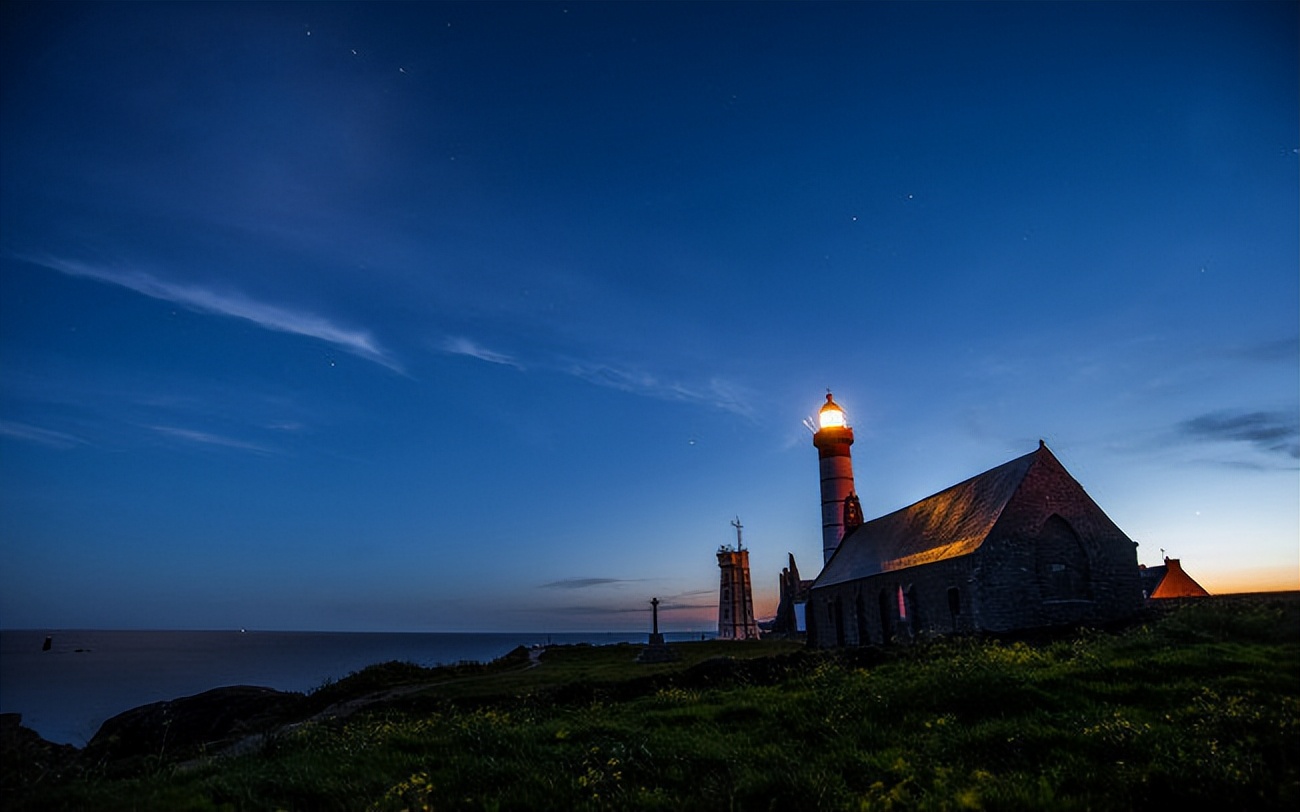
x=839, y=502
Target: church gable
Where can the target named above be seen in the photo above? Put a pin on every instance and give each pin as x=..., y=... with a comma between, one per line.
x=1055, y=557
x=1053, y=519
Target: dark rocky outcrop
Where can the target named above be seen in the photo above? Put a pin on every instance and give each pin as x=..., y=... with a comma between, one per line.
x=190, y=726
x=26, y=759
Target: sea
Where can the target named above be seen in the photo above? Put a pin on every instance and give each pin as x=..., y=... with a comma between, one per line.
x=88, y=676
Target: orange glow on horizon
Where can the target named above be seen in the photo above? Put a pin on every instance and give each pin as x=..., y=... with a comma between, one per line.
x=1254, y=579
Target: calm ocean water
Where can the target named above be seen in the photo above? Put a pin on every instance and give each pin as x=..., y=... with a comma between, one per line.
x=66, y=693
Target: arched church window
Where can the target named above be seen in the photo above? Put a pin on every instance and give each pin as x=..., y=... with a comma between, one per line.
x=910, y=605
x=1063, y=569
x=860, y=615
x=886, y=626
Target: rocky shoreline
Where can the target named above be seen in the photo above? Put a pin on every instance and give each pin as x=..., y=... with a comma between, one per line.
x=219, y=721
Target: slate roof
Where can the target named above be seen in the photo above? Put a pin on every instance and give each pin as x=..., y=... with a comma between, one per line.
x=951, y=523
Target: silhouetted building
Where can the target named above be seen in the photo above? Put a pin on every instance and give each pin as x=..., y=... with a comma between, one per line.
x=1169, y=581
x=1017, y=547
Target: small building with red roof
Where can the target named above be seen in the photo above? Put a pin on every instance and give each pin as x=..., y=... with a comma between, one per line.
x=1169, y=581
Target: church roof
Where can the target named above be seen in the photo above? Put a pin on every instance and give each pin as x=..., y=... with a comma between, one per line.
x=951, y=523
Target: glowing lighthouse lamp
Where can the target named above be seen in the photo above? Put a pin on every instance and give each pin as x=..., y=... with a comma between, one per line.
x=832, y=439
x=832, y=416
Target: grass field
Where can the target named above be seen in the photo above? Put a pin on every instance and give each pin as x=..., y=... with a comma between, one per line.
x=1197, y=707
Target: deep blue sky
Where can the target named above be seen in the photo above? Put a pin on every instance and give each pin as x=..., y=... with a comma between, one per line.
x=493, y=316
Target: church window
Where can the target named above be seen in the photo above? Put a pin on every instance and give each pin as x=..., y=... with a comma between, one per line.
x=1063, y=568
x=914, y=616
x=860, y=615
x=886, y=626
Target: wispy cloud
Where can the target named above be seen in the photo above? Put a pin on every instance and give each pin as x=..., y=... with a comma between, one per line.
x=602, y=611
x=207, y=438
x=583, y=583
x=716, y=392
x=1276, y=432
x=32, y=434
x=1284, y=349
x=639, y=608
x=695, y=593
x=290, y=426
x=234, y=305
x=459, y=345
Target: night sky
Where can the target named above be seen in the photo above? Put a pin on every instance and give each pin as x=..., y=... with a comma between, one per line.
x=458, y=317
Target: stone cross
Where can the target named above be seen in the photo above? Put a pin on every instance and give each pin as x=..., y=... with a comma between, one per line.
x=654, y=606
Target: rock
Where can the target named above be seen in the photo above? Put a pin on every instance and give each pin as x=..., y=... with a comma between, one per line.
x=515, y=656
x=183, y=728
x=28, y=758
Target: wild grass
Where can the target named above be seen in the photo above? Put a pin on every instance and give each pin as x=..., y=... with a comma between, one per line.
x=1200, y=707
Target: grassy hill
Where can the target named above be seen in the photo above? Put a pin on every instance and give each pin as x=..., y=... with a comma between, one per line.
x=1197, y=705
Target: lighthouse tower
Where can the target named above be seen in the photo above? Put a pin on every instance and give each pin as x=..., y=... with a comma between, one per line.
x=833, y=438
x=735, y=596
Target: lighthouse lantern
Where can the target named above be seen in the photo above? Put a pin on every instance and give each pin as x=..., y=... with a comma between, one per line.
x=831, y=416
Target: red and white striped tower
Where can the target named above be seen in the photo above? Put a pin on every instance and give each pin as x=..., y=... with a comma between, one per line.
x=833, y=439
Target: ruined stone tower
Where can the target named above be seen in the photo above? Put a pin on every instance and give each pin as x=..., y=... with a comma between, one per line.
x=736, y=596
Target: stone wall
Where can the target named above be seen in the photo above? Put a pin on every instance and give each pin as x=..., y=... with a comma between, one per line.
x=1025, y=567
x=936, y=599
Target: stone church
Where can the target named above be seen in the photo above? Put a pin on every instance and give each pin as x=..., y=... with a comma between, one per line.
x=1020, y=546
